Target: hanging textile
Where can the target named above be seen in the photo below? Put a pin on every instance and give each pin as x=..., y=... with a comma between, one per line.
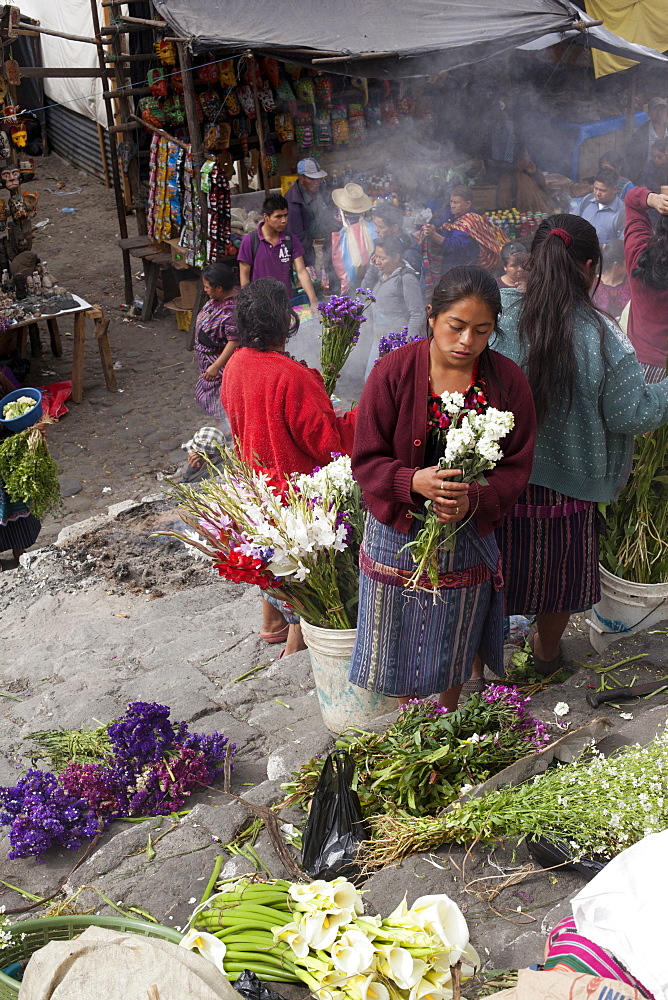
x=219, y=217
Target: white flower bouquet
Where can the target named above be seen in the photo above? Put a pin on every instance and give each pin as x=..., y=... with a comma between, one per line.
x=471, y=444
x=330, y=944
x=298, y=540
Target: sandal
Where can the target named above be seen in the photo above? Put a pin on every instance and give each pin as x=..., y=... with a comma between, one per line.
x=474, y=685
x=547, y=667
x=280, y=636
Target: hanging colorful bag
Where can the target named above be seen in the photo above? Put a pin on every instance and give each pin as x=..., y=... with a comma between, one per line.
x=285, y=129
x=151, y=111
x=324, y=89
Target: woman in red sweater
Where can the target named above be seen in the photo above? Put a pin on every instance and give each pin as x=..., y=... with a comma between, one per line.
x=646, y=253
x=409, y=644
x=281, y=417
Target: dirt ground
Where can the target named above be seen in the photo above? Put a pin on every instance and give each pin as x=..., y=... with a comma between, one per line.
x=112, y=446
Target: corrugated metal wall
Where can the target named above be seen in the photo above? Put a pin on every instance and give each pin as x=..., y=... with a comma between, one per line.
x=75, y=138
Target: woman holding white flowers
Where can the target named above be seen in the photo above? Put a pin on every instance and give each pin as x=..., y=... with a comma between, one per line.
x=424, y=642
x=591, y=399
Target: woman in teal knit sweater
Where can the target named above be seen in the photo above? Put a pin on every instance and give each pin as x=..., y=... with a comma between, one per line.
x=591, y=399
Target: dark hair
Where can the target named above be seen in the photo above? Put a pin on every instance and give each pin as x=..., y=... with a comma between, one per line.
x=274, y=203
x=469, y=282
x=612, y=253
x=461, y=191
x=652, y=265
x=614, y=160
x=389, y=213
x=264, y=317
x=220, y=276
x=392, y=245
x=509, y=250
x=660, y=146
x=607, y=177
x=558, y=289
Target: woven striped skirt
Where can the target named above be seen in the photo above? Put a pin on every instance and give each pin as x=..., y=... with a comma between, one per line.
x=549, y=551
x=18, y=527
x=410, y=644
x=567, y=948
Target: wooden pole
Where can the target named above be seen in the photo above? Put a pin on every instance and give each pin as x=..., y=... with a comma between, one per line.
x=115, y=169
x=57, y=34
x=264, y=176
x=158, y=131
x=126, y=109
x=103, y=154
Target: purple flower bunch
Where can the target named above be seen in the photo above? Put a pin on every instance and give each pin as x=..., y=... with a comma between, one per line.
x=346, y=310
x=516, y=713
x=342, y=317
x=42, y=814
x=393, y=342
x=154, y=766
x=425, y=708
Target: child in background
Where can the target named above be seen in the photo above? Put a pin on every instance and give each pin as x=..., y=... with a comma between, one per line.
x=202, y=445
x=613, y=292
x=513, y=256
x=215, y=338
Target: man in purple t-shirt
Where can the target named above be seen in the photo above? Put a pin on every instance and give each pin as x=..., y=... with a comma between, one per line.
x=270, y=252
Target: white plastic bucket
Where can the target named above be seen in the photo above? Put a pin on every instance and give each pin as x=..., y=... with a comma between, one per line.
x=342, y=704
x=625, y=608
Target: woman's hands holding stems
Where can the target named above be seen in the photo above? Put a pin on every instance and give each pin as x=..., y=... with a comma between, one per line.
x=433, y=235
x=450, y=498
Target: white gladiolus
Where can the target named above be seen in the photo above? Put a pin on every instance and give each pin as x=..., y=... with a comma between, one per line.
x=209, y=947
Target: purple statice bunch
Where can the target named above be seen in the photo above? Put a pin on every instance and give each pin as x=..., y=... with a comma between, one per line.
x=41, y=814
x=164, y=786
x=214, y=748
x=518, y=717
x=142, y=735
x=393, y=341
x=98, y=785
x=342, y=317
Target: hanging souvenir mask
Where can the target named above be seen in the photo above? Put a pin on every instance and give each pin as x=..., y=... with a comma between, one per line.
x=252, y=73
x=285, y=129
x=293, y=70
x=151, y=111
x=166, y=52
x=9, y=115
x=4, y=89
x=126, y=150
x=177, y=83
x=245, y=95
x=17, y=208
x=266, y=96
x=305, y=90
x=232, y=105
x=286, y=95
x=212, y=106
x=324, y=89
x=270, y=70
x=5, y=148
x=19, y=135
x=156, y=81
x=175, y=111
x=226, y=74
x=209, y=72
x=12, y=72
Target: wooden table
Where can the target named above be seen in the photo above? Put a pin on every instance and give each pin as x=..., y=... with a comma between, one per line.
x=83, y=311
x=153, y=258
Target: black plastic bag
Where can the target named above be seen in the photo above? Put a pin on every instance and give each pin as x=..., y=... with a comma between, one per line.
x=335, y=828
x=549, y=853
x=250, y=987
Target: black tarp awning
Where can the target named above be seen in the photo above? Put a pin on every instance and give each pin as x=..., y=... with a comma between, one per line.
x=378, y=38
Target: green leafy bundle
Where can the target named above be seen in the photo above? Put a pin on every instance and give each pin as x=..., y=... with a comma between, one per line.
x=29, y=473
x=635, y=547
x=598, y=805
x=422, y=761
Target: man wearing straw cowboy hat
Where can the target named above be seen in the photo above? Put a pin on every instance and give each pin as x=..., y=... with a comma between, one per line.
x=353, y=246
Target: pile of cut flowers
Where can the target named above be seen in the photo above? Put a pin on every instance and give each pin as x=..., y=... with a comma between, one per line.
x=318, y=934
x=424, y=760
x=297, y=540
x=139, y=765
x=598, y=806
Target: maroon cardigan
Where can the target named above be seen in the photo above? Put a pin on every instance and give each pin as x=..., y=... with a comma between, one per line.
x=392, y=427
x=648, y=316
